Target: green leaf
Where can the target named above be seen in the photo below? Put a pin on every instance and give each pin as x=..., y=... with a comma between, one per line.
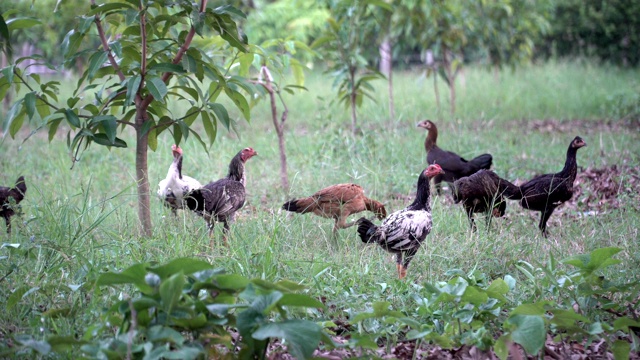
x=96, y=61
x=221, y=114
x=152, y=139
x=210, y=127
x=30, y=104
x=302, y=336
x=167, y=67
x=13, y=112
x=300, y=300
x=16, y=296
x=62, y=344
x=529, y=332
x=474, y=296
x=530, y=309
x=171, y=290
x=185, y=266
x=134, y=274
x=623, y=323
x=53, y=127
x=498, y=289
x=103, y=139
x=16, y=123
x=108, y=7
x=596, y=260
x=72, y=118
x=4, y=30
x=163, y=334
x=22, y=23
x=133, y=86
x=501, y=347
x=240, y=102
x=157, y=88
x=42, y=347
x=621, y=349
x=109, y=124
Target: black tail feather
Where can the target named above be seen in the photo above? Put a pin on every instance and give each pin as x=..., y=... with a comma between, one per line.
x=509, y=190
x=483, y=161
x=291, y=206
x=366, y=228
x=195, y=200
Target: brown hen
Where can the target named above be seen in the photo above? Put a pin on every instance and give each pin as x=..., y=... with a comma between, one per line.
x=337, y=202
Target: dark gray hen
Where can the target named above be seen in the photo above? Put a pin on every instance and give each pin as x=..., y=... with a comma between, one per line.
x=484, y=192
x=219, y=200
x=9, y=200
x=546, y=192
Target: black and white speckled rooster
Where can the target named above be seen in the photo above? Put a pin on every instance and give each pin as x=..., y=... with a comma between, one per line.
x=176, y=186
x=219, y=200
x=403, y=231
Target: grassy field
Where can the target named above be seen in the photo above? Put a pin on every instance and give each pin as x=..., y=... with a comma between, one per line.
x=80, y=222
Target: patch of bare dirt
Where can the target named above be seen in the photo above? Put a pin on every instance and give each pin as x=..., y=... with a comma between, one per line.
x=602, y=189
x=553, y=126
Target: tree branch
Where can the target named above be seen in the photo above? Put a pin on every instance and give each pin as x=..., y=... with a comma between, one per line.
x=183, y=49
x=105, y=45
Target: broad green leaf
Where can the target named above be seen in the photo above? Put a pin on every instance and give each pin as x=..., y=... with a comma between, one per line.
x=163, y=334
x=185, y=266
x=501, y=347
x=621, y=349
x=474, y=296
x=240, y=102
x=96, y=61
x=231, y=281
x=108, y=7
x=4, y=30
x=22, y=23
x=530, y=309
x=42, y=347
x=245, y=60
x=30, y=104
x=62, y=344
x=53, y=127
x=12, y=114
x=167, y=67
x=623, y=323
x=16, y=123
x=72, y=118
x=16, y=296
x=597, y=259
x=132, y=89
x=566, y=318
x=103, y=139
x=177, y=134
x=498, y=289
x=134, y=274
x=171, y=290
x=152, y=138
x=221, y=114
x=210, y=127
x=109, y=124
x=157, y=88
x=72, y=42
x=191, y=115
x=302, y=336
x=529, y=332
x=300, y=300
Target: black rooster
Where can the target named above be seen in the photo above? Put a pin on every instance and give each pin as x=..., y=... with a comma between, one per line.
x=546, y=192
x=219, y=200
x=403, y=231
x=453, y=165
x=484, y=192
x=9, y=200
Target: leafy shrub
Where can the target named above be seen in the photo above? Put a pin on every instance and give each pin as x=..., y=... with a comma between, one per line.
x=186, y=309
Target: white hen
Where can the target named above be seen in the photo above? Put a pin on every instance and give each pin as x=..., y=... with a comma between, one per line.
x=175, y=186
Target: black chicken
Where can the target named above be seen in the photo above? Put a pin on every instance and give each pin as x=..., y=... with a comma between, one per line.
x=546, y=192
x=453, y=165
x=403, y=231
x=9, y=200
x=219, y=200
x=482, y=192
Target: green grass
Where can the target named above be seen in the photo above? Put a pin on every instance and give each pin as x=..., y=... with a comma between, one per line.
x=80, y=222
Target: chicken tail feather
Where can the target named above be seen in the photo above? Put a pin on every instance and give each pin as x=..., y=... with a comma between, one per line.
x=303, y=205
x=509, y=190
x=483, y=161
x=366, y=229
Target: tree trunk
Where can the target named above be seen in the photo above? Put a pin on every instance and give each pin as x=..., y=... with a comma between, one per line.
x=354, y=119
x=142, y=175
x=284, y=178
x=386, y=67
x=451, y=76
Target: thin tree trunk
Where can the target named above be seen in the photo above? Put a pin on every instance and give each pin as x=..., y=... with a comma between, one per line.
x=284, y=178
x=386, y=67
x=451, y=76
x=142, y=176
x=354, y=119
x=437, y=92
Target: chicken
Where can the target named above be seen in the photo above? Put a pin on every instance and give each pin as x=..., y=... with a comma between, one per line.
x=546, y=192
x=482, y=192
x=9, y=200
x=454, y=166
x=337, y=202
x=175, y=186
x=219, y=200
x=403, y=231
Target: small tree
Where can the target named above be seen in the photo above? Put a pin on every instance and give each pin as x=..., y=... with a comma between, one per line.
x=144, y=45
x=350, y=28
